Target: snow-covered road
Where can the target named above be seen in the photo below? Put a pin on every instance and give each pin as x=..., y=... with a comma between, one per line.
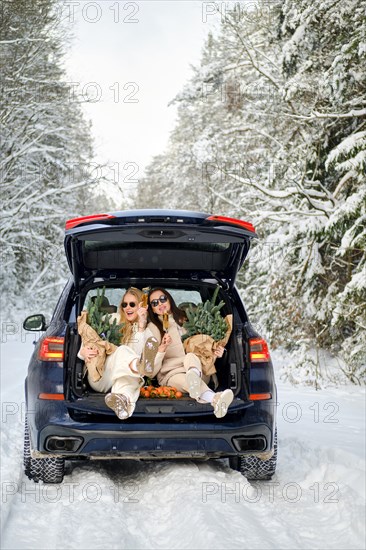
x=316, y=499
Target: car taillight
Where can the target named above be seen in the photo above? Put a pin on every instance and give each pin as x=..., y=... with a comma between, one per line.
x=259, y=351
x=232, y=221
x=52, y=349
x=52, y=396
x=87, y=219
x=260, y=396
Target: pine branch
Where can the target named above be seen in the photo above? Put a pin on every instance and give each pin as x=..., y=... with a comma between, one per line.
x=206, y=319
x=100, y=321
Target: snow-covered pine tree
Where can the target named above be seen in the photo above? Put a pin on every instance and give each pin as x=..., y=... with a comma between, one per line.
x=323, y=272
x=271, y=129
x=45, y=153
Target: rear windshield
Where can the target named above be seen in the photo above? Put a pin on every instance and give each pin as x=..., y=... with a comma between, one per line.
x=153, y=255
x=182, y=298
x=96, y=246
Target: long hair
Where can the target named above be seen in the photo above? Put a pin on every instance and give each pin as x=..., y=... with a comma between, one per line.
x=178, y=314
x=127, y=329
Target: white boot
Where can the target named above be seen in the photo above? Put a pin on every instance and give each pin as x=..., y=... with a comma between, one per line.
x=194, y=383
x=120, y=404
x=221, y=402
x=146, y=364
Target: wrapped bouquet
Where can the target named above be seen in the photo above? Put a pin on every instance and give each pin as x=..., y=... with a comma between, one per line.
x=97, y=332
x=206, y=329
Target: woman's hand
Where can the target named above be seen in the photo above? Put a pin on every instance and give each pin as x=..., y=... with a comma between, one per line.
x=142, y=316
x=219, y=351
x=88, y=353
x=165, y=343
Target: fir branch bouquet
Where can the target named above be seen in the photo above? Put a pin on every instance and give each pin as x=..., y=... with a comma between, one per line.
x=206, y=319
x=206, y=329
x=97, y=333
x=100, y=321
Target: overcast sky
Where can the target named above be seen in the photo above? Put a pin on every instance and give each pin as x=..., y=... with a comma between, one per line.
x=130, y=59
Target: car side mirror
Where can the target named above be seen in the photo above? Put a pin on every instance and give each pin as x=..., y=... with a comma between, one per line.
x=35, y=322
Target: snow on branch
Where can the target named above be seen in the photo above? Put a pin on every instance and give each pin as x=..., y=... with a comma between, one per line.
x=316, y=115
x=349, y=144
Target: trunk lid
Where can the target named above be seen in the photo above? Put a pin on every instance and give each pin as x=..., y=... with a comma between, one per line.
x=146, y=243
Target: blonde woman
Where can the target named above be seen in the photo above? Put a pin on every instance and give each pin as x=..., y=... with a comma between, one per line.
x=125, y=367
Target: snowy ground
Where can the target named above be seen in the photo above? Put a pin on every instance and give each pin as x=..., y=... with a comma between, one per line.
x=316, y=499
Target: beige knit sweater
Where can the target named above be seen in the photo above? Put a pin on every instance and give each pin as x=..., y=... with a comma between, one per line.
x=170, y=362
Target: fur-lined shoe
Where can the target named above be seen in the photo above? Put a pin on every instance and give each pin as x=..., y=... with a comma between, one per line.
x=221, y=402
x=120, y=404
x=146, y=364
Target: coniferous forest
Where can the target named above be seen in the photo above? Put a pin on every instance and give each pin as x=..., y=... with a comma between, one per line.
x=45, y=154
x=271, y=128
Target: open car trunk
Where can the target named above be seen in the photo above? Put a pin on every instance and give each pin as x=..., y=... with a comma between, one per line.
x=185, y=252
x=85, y=404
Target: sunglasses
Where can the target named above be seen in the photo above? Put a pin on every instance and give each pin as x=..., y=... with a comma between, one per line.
x=126, y=304
x=162, y=300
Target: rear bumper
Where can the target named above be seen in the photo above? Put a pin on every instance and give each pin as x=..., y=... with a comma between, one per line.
x=56, y=431
x=155, y=442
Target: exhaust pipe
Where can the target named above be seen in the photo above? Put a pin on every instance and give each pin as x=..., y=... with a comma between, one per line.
x=59, y=444
x=248, y=444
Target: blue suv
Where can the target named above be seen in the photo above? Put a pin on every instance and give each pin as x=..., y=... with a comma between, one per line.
x=189, y=254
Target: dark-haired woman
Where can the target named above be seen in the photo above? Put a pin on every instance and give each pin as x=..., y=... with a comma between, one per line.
x=173, y=366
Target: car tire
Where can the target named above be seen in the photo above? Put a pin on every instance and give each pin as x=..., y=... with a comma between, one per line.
x=254, y=468
x=48, y=470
